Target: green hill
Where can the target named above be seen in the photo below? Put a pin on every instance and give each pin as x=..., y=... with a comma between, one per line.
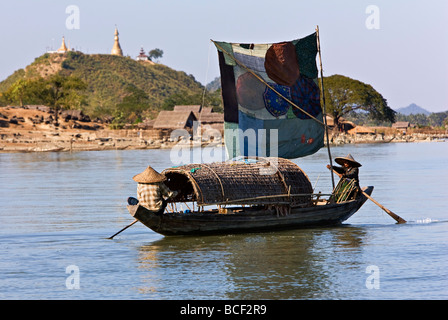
x=113, y=79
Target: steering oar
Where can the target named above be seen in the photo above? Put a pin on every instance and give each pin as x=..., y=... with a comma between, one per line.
x=111, y=237
x=393, y=215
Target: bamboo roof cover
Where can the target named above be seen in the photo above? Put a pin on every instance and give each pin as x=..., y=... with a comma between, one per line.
x=174, y=120
x=253, y=181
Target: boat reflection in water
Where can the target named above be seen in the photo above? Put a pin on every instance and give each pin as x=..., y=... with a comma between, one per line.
x=298, y=264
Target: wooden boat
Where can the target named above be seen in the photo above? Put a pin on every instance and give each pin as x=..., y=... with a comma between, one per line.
x=249, y=219
x=245, y=200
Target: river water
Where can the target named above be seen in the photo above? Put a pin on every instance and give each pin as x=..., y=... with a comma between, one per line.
x=58, y=209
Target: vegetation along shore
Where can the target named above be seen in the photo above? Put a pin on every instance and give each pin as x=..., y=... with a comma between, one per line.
x=71, y=101
x=32, y=129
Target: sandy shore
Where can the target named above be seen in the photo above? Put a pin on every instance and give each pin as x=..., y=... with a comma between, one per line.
x=27, y=130
x=341, y=139
x=31, y=130
x=25, y=134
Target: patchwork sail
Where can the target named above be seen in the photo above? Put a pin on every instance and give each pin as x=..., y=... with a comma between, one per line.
x=271, y=98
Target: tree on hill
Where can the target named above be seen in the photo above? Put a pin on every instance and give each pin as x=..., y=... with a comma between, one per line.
x=23, y=91
x=344, y=95
x=207, y=98
x=17, y=92
x=131, y=108
x=60, y=91
x=155, y=54
x=56, y=92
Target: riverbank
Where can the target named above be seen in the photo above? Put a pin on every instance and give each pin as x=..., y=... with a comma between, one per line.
x=20, y=140
x=343, y=138
x=55, y=139
x=33, y=130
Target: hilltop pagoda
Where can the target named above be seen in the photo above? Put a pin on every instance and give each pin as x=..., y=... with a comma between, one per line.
x=63, y=48
x=142, y=56
x=116, y=50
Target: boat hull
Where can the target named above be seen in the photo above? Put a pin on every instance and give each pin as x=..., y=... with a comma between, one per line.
x=251, y=220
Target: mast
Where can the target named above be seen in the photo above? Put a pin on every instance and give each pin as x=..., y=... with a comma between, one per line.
x=323, y=102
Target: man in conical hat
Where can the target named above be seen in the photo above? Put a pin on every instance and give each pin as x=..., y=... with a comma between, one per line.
x=151, y=190
x=349, y=168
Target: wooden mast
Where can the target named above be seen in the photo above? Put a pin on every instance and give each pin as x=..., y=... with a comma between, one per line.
x=323, y=102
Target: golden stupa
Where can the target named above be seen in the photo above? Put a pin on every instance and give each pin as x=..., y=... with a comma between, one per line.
x=63, y=47
x=116, y=50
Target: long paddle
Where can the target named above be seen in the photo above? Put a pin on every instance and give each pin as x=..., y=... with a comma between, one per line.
x=393, y=215
x=122, y=229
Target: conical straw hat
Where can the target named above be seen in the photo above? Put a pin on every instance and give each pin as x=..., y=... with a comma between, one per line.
x=348, y=158
x=149, y=176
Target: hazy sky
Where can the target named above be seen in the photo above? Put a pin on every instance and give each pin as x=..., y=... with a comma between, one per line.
x=400, y=47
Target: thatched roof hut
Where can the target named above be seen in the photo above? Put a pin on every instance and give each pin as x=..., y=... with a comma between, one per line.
x=196, y=109
x=361, y=130
x=255, y=181
x=193, y=108
x=212, y=118
x=401, y=125
x=174, y=120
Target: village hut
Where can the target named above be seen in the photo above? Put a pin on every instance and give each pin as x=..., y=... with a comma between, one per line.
x=212, y=119
x=330, y=121
x=248, y=181
x=401, y=125
x=196, y=109
x=361, y=130
x=174, y=120
x=344, y=125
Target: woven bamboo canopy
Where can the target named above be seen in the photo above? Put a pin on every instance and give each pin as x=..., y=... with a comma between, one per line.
x=252, y=181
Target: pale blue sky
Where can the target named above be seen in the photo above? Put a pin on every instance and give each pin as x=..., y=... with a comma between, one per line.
x=405, y=59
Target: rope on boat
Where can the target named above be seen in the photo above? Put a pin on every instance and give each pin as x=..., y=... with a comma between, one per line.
x=219, y=180
x=236, y=201
x=282, y=177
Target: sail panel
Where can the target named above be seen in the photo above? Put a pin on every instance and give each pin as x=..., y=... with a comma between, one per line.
x=271, y=98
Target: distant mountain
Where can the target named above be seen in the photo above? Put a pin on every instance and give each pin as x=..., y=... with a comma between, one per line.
x=413, y=109
x=214, y=85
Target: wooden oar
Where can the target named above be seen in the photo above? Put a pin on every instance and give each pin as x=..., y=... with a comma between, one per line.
x=393, y=215
x=123, y=229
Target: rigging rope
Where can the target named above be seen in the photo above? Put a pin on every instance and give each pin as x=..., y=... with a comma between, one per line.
x=206, y=75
